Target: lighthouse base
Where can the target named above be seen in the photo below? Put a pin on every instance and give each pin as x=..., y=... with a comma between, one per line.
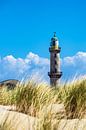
x=54, y=78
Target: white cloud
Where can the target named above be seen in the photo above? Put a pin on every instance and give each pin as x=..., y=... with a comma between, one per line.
x=75, y=65
x=77, y=60
x=18, y=68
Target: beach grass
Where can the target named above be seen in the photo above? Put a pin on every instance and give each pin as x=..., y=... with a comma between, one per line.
x=30, y=98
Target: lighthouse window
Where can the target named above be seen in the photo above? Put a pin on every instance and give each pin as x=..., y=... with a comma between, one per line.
x=53, y=43
x=55, y=62
x=55, y=55
x=55, y=70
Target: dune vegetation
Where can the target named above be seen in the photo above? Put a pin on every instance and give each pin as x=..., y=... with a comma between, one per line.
x=34, y=99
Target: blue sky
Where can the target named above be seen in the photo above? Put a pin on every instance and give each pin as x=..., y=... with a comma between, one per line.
x=26, y=28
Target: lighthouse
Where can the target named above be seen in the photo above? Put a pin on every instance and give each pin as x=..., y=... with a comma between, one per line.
x=55, y=73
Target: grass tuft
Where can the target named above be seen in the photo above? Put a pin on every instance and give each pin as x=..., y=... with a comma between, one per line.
x=31, y=98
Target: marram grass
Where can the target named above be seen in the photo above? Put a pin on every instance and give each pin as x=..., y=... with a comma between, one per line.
x=30, y=98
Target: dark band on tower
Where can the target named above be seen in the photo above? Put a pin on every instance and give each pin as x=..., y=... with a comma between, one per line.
x=55, y=73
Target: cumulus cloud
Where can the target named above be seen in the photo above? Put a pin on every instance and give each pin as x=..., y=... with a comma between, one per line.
x=19, y=68
x=75, y=65
x=34, y=65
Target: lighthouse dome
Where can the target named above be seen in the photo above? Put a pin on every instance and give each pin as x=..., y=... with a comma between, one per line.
x=54, y=41
x=54, y=38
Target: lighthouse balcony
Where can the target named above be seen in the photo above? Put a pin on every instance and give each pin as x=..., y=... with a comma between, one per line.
x=54, y=75
x=53, y=49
